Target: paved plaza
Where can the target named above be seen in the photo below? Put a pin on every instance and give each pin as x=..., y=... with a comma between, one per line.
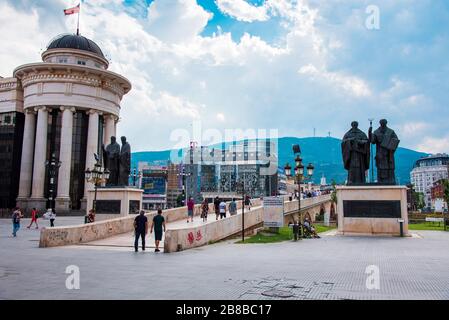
x=332, y=267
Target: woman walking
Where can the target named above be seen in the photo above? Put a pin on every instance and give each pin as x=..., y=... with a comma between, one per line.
x=190, y=208
x=34, y=216
x=204, y=210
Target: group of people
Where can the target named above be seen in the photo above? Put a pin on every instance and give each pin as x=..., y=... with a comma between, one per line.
x=307, y=227
x=306, y=194
x=17, y=215
x=141, y=229
x=220, y=208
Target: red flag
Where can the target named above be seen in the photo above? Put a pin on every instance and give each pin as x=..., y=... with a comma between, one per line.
x=72, y=10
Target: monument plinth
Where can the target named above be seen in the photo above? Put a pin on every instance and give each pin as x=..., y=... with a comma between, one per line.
x=115, y=202
x=372, y=210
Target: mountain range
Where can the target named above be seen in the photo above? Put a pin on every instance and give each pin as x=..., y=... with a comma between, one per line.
x=323, y=152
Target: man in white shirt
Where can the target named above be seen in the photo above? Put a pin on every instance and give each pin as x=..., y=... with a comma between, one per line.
x=222, y=210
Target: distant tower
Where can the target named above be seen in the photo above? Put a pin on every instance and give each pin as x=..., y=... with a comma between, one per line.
x=329, y=134
x=323, y=180
x=314, y=132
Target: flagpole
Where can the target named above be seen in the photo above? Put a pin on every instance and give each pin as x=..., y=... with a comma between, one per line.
x=78, y=25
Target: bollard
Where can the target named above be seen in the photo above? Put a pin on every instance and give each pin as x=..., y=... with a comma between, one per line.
x=401, y=227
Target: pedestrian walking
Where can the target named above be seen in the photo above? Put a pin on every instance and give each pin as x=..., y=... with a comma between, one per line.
x=140, y=230
x=190, y=208
x=233, y=207
x=52, y=217
x=158, y=225
x=34, y=216
x=16, y=216
x=91, y=216
x=204, y=210
x=248, y=202
x=217, y=207
x=222, y=209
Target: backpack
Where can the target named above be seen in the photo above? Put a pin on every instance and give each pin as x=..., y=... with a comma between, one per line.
x=15, y=217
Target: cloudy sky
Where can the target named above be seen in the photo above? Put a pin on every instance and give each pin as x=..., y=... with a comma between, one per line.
x=290, y=65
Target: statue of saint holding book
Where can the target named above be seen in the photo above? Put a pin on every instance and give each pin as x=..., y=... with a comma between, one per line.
x=386, y=142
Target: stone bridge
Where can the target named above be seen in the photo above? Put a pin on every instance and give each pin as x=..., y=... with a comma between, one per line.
x=309, y=207
x=180, y=235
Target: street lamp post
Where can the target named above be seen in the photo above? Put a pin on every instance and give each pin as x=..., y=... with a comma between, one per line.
x=97, y=176
x=300, y=178
x=135, y=175
x=184, y=174
x=244, y=189
x=52, y=167
x=240, y=185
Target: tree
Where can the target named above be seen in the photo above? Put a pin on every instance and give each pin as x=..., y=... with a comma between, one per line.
x=445, y=184
x=334, y=198
x=420, y=203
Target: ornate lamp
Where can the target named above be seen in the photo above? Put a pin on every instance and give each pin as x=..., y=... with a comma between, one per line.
x=310, y=169
x=288, y=170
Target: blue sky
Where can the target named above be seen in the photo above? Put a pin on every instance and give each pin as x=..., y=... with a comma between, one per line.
x=289, y=65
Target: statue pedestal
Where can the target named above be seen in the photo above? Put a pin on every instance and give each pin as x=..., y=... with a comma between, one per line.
x=115, y=202
x=372, y=210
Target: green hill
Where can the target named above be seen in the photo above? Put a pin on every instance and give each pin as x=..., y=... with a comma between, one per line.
x=324, y=153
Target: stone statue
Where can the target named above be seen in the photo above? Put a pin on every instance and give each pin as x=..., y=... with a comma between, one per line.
x=355, y=148
x=386, y=142
x=125, y=163
x=111, y=157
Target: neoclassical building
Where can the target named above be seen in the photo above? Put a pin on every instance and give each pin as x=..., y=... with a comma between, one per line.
x=71, y=105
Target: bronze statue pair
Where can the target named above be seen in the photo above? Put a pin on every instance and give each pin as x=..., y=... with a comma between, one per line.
x=356, y=153
x=118, y=161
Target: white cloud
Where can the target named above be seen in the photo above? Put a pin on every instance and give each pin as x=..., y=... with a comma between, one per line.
x=21, y=38
x=242, y=10
x=350, y=84
x=415, y=129
x=221, y=117
x=176, y=20
x=179, y=74
x=434, y=145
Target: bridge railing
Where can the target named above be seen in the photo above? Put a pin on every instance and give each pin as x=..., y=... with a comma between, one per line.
x=192, y=237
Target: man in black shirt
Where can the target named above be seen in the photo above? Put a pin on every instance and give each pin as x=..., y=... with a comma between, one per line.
x=158, y=224
x=217, y=207
x=140, y=230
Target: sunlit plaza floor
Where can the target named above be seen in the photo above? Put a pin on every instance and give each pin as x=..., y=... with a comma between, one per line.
x=332, y=267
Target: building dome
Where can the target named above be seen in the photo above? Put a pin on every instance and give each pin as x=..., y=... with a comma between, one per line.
x=72, y=41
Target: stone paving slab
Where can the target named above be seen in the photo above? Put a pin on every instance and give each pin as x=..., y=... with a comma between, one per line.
x=331, y=268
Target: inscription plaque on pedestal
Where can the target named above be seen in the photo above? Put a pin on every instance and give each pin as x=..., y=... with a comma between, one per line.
x=108, y=206
x=134, y=206
x=372, y=208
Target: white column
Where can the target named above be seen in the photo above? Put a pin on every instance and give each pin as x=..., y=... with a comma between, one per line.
x=109, y=128
x=92, y=145
x=65, y=153
x=40, y=154
x=117, y=120
x=26, y=168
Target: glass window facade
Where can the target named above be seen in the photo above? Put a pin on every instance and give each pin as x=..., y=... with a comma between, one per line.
x=79, y=145
x=11, y=135
x=53, y=146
